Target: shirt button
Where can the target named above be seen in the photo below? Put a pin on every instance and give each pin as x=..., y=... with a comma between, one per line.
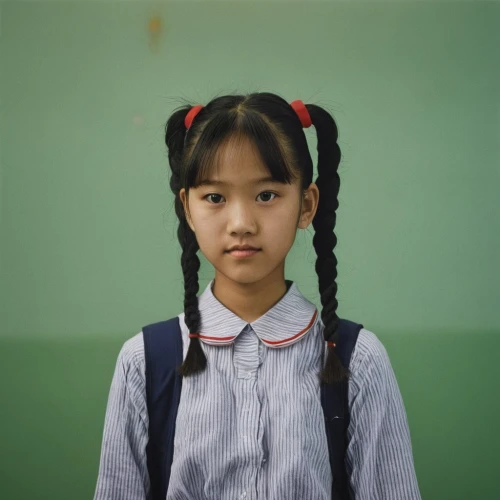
x=249, y=375
x=244, y=494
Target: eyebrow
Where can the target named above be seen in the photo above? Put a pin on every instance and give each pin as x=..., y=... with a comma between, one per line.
x=213, y=182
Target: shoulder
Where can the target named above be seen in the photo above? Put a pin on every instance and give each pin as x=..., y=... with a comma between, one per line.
x=131, y=364
x=370, y=363
x=369, y=349
x=132, y=352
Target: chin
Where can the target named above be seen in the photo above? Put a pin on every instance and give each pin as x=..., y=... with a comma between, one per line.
x=245, y=275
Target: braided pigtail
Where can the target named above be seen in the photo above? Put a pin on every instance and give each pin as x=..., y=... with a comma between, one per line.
x=195, y=359
x=324, y=239
x=174, y=139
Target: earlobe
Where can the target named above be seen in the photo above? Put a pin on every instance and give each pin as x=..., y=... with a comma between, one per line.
x=302, y=217
x=311, y=197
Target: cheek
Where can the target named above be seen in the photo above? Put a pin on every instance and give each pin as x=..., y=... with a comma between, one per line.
x=208, y=232
x=284, y=218
x=279, y=230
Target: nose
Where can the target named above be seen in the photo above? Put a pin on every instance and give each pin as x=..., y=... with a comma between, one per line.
x=241, y=219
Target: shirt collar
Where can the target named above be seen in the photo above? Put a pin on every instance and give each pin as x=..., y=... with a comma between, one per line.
x=285, y=323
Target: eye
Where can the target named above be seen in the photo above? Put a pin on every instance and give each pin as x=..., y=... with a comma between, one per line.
x=212, y=194
x=207, y=197
x=268, y=192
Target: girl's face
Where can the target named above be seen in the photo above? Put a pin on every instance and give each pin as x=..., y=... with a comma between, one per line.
x=238, y=206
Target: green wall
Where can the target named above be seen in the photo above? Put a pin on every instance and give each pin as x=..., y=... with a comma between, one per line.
x=88, y=250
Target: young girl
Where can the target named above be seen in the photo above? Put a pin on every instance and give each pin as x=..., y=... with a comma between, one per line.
x=250, y=423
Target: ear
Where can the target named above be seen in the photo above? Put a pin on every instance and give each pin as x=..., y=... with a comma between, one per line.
x=185, y=203
x=309, y=205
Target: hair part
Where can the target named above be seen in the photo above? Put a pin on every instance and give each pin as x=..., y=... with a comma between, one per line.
x=275, y=129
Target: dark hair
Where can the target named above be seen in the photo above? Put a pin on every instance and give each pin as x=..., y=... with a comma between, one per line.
x=274, y=127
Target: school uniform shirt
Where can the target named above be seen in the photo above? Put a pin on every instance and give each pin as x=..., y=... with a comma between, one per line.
x=251, y=426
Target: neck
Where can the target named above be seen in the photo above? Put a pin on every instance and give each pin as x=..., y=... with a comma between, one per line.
x=249, y=301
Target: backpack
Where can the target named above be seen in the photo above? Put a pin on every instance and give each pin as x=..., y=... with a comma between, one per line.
x=163, y=353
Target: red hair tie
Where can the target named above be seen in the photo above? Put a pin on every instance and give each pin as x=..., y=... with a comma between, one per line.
x=331, y=344
x=191, y=115
x=301, y=110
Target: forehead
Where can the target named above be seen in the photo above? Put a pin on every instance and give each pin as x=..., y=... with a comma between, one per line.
x=238, y=162
x=238, y=157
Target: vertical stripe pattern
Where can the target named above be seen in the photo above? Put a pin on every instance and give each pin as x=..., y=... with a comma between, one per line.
x=251, y=426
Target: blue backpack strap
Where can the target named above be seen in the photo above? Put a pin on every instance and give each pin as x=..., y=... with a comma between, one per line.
x=163, y=353
x=334, y=399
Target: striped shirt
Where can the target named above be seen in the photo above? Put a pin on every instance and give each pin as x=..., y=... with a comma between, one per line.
x=251, y=426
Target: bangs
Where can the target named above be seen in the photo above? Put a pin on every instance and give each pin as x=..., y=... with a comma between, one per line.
x=235, y=127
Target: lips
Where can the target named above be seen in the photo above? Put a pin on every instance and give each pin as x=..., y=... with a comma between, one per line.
x=243, y=253
x=243, y=248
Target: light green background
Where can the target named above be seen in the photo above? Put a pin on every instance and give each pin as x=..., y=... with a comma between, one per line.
x=88, y=249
